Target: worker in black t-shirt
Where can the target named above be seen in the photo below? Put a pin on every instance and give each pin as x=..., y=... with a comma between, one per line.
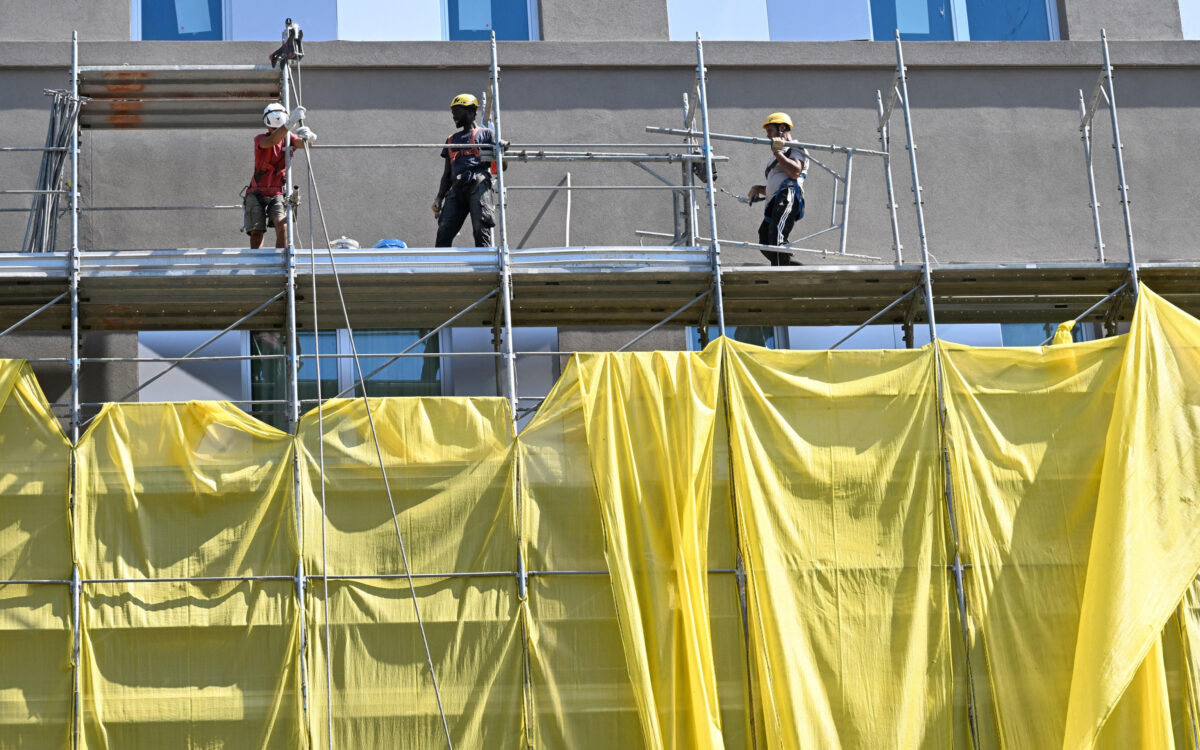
x=466, y=185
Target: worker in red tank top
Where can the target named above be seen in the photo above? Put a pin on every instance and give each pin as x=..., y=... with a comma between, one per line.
x=265, y=204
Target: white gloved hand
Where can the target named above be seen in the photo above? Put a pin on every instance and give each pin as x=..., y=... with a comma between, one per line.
x=778, y=144
x=293, y=121
x=306, y=134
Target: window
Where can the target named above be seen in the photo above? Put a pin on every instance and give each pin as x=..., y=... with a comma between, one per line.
x=965, y=20
x=407, y=376
x=322, y=20
x=819, y=20
x=769, y=337
x=1189, y=15
x=180, y=19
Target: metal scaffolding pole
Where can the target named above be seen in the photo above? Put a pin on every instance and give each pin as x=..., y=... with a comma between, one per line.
x=715, y=244
x=1085, y=127
x=76, y=592
x=510, y=365
x=885, y=145
x=939, y=377
x=1119, y=149
x=293, y=378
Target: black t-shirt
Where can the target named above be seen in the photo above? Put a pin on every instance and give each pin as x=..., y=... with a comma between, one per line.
x=467, y=159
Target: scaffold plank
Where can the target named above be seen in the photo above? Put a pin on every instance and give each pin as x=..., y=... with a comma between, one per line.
x=207, y=288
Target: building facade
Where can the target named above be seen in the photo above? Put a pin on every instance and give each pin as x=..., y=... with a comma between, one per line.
x=996, y=121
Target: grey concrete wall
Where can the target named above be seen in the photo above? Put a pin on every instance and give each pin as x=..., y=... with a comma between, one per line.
x=99, y=381
x=54, y=20
x=624, y=20
x=996, y=126
x=1150, y=20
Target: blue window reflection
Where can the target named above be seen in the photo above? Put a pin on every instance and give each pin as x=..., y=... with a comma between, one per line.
x=476, y=19
x=1011, y=20
x=188, y=20
x=917, y=20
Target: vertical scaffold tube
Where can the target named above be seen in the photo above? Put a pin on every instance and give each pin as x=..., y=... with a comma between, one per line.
x=1123, y=186
x=718, y=295
x=948, y=490
x=885, y=147
x=510, y=374
x=293, y=377
x=510, y=365
x=76, y=593
x=1086, y=128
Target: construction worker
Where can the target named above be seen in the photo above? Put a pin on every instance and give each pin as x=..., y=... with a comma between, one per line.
x=265, y=204
x=784, y=191
x=466, y=184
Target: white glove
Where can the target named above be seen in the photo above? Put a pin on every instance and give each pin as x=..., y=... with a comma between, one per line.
x=778, y=144
x=306, y=134
x=293, y=121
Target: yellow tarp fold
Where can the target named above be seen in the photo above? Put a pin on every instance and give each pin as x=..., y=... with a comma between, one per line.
x=835, y=470
x=35, y=545
x=650, y=420
x=1145, y=550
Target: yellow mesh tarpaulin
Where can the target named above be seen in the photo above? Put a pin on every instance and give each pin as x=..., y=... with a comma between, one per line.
x=650, y=420
x=1074, y=473
x=1026, y=434
x=449, y=466
x=581, y=693
x=35, y=618
x=1145, y=549
x=184, y=490
x=187, y=490
x=836, y=481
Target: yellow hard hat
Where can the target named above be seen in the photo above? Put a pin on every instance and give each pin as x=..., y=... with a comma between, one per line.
x=778, y=118
x=464, y=100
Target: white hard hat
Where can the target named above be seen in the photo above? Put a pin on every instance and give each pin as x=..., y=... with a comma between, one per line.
x=274, y=116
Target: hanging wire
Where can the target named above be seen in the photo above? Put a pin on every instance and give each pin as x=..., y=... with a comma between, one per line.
x=316, y=198
x=41, y=229
x=312, y=262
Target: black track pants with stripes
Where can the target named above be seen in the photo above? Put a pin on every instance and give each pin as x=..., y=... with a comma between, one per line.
x=781, y=214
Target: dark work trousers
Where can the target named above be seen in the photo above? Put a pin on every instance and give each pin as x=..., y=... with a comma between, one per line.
x=781, y=214
x=469, y=195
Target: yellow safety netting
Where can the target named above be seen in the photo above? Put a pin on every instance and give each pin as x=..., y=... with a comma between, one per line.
x=35, y=545
x=836, y=479
x=643, y=489
x=198, y=491
x=449, y=469
x=1145, y=550
x=650, y=421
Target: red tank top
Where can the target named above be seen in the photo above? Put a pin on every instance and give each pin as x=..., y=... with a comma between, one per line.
x=269, y=166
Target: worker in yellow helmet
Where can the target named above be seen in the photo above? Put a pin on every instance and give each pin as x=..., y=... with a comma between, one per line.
x=466, y=186
x=784, y=189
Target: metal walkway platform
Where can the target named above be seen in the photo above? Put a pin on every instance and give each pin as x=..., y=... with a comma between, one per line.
x=610, y=286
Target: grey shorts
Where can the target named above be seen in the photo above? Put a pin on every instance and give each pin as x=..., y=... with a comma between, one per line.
x=262, y=211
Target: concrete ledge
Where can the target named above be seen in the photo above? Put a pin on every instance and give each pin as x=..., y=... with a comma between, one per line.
x=567, y=55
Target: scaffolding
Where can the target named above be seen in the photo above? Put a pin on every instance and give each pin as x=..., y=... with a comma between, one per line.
x=682, y=283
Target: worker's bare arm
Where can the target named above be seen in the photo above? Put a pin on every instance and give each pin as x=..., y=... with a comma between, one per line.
x=793, y=168
x=274, y=139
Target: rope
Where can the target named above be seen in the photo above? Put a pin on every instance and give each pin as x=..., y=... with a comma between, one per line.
x=312, y=261
x=375, y=438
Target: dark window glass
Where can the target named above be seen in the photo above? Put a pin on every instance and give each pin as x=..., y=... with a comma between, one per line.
x=763, y=336
x=1008, y=20
x=407, y=376
x=476, y=19
x=187, y=20
x=918, y=20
